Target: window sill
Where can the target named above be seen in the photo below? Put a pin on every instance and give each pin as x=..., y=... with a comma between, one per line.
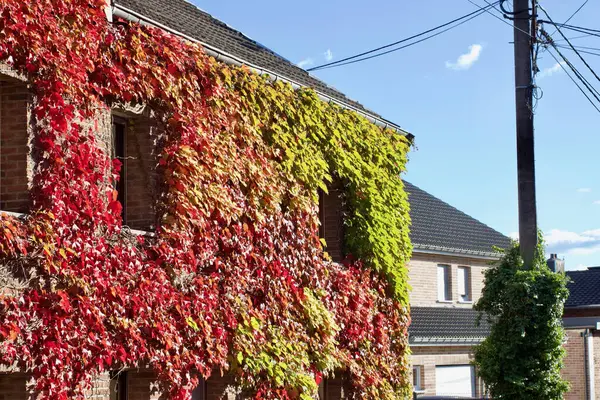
x=445, y=301
x=419, y=391
x=465, y=302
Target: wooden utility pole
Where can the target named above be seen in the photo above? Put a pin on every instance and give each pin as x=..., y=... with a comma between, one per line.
x=525, y=35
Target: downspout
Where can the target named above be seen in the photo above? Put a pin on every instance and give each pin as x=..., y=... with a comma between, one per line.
x=130, y=15
x=588, y=354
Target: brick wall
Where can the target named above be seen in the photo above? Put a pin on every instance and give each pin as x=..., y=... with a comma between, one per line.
x=423, y=279
x=428, y=357
x=14, y=387
x=574, y=369
x=14, y=149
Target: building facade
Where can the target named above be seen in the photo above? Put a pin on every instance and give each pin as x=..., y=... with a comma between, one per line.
x=451, y=254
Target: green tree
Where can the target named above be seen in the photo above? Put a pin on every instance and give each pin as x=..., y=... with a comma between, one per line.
x=523, y=356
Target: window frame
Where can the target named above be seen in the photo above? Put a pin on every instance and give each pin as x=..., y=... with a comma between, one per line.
x=418, y=378
x=447, y=282
x=118, y=386
x=119, y=127
x=467, y=295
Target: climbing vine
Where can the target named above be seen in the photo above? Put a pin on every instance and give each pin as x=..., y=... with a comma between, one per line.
x=235, y=278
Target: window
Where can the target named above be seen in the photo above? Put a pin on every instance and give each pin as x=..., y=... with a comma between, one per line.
x=464, y=284
x=417, y=378
x=119, y=151
x=332, y=211
x=118, y=385
x=200, y=392
x=322, y=390
x=444, y=284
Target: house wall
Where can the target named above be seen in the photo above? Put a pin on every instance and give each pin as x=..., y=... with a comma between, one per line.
x=428, y=357
x=423, y=279
x=574, y=369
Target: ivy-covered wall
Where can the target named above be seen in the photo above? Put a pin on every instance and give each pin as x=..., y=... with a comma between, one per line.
x=235, y=278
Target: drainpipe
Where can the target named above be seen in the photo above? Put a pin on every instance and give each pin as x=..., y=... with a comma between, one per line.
x=130, y=15
x=590, y=376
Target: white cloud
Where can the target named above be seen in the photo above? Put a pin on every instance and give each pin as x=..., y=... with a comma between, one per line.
x=306, y=62
x=565, y=242
x=597, y=202
x=546, y=72
x=514, y=235
x=466, y=61
x=328, y=55
x=584, y=190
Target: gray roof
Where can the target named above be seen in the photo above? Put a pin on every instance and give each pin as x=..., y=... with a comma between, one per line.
x=584, y=288
x=188, y=19
x=442, y=326
x=436, y=225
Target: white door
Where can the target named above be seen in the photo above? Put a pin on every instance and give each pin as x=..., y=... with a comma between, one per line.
x=455, y=380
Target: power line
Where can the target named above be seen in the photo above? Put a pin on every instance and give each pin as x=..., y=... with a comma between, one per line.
x=570, y=44
x=573, y=79
x=572, y=15
x=581, y=51
x=492, y=5
x=345, y=61
x=565, y=25
x=574, y=38
x=578, y=74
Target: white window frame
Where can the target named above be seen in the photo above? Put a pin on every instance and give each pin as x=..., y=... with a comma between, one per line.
x=464, y=284
x=444, y=283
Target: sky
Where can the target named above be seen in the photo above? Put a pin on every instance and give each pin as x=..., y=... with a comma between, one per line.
x=455, y=93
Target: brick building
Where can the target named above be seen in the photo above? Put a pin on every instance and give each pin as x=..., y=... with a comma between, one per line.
x=582, y=323
x=130, y=134
x=451, y=252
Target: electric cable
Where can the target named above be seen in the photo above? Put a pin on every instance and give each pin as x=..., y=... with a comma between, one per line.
x=462, y=20
x=570, y=44
x=574, y=81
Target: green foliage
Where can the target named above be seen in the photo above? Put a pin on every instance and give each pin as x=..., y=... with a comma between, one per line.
x=316, y=140
x=523, y=356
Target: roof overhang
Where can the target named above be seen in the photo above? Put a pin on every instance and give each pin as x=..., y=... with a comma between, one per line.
x=447, y=251
x=117, y=10
x=581, y=323
x=439, y=341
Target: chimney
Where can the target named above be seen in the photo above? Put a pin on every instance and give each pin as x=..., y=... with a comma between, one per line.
x=555, y=264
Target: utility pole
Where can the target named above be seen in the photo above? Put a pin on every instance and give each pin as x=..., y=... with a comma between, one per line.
x=525, y=36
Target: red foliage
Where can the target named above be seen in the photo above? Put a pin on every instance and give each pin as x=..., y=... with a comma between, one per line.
x=230, y=243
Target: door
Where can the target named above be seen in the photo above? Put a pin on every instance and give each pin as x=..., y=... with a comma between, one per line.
x=455, y=380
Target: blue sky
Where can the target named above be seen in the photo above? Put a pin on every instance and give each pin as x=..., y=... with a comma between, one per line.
x=461, y=109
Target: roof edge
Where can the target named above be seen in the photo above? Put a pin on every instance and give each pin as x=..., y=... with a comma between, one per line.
x=448, y=251
x=220, y=55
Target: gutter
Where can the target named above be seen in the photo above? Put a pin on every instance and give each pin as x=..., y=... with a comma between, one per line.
x=447, y=251
x=219, y=55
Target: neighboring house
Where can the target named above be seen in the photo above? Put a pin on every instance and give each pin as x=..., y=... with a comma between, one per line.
x=451, y=253
x=582, y=324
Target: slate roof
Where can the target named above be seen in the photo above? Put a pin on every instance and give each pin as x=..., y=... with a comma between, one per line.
x=436, y=225
x=584, y=288
x=188, y=19
x=439, y=326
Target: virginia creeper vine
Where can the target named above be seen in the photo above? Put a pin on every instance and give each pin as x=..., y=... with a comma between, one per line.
x=235, y=278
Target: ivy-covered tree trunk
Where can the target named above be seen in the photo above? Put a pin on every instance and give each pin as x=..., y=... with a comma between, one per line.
x=523, y=356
